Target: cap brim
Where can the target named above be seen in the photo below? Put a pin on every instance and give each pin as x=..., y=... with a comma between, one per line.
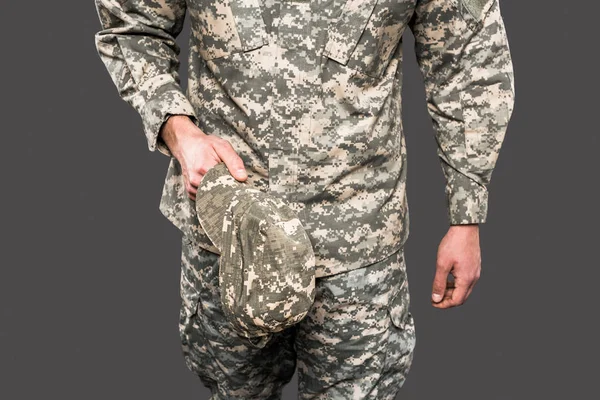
x=215, y=191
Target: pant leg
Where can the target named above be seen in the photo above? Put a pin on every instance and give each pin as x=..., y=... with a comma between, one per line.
x=358, y=339
x=225, y=362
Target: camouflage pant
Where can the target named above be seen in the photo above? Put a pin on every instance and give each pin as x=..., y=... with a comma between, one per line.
x=356, y=342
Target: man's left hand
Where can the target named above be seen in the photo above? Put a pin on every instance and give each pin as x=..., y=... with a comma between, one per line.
x=458, y=254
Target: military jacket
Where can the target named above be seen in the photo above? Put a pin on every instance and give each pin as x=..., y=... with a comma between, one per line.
x=308, y=92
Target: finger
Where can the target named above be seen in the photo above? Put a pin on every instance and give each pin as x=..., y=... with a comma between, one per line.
x=450, y=283
x=460, y=291
x=234, y=163
x=194, y=180
x=191, y=191
x=470, y=289
x=459, y=295
x=446, y=301
x=440, y=282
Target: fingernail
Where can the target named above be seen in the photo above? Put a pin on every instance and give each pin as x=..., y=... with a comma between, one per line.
x=436, y=297
x=241, y=171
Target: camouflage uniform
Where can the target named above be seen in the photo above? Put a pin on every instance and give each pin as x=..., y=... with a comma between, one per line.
x=356, y=342
x=309, y=95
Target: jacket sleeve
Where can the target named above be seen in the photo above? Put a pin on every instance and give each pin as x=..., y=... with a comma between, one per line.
x=464, y=57
x=137, y=45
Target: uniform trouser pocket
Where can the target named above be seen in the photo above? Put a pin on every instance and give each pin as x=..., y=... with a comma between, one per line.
x=357, y=341
x=225, y=362
x=402, y=340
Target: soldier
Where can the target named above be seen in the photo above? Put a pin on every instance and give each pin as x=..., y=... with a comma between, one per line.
x=302, y=99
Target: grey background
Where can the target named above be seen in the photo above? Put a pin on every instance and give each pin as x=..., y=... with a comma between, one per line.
x=90, y=268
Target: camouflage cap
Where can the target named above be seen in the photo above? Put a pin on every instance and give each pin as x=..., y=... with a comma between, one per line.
x=267, y=263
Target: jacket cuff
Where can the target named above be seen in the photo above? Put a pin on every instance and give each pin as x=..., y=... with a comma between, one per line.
x=162, y=101
x=467, y=200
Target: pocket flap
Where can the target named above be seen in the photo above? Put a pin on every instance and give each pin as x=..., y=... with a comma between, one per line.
x=250, y=24
x=227, y=27
x=477, y=8
x=345, y=33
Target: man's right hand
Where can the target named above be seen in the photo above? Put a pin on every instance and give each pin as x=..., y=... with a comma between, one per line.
x=197, y=152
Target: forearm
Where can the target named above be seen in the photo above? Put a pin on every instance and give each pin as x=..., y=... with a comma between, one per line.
x=467, y=69
x=137, y=45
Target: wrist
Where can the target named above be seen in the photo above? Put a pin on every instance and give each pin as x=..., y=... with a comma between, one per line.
x=465, y=227
x=174, y=128
x=466, y=232
x=172, y=124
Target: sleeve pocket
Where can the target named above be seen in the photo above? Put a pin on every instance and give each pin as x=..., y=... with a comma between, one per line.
x=474, y=11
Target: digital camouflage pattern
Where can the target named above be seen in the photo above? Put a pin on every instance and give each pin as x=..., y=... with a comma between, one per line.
x=356, y=342
x=309, y=95
x=267, y=264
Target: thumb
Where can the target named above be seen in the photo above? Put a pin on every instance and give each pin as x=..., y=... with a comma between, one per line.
x=439, y=282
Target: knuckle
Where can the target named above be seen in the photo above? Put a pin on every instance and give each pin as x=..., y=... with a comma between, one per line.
x=202, y=169
x=223, y=143
x=195, y=180
x=443, y=266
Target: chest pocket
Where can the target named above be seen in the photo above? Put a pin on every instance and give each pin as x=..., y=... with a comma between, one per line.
x=367, y=32
x=223, y=27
